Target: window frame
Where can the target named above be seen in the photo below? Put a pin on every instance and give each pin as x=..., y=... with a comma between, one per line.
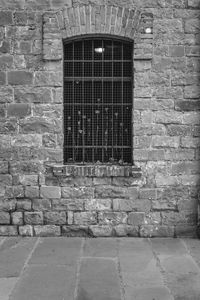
x=113, y=38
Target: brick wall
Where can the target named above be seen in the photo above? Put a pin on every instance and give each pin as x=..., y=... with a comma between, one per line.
x=156, y=197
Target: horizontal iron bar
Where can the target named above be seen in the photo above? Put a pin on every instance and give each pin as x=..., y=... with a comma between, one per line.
x=71, y=78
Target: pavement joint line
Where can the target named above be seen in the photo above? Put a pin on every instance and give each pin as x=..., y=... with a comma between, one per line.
x=78, y=269
x=3, y=240
x=121, y=283
x=25, y=264
x=190, y=253
x=162, y=270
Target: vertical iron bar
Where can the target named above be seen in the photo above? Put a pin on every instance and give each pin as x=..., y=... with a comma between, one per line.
x=92, y=127
x=112, y=50
x=73, y=108
x=102, y=104
x=83, y=108
x=122, y=127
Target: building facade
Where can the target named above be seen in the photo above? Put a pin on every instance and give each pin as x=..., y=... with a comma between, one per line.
x=100, y=125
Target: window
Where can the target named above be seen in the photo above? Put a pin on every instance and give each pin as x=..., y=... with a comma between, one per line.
x=98, y=101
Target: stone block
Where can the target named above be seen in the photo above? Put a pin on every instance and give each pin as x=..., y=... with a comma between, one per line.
x=6, y=62
x=176, y=51
x=68, y=204
x=32, y=192
x=2, y=78
x=26, y=230
x=28, y=179
x=40, y=125
x=156, y=231
x=4, y=218
x=55, y=218
x=41, y=204
x=131, y=205
x=8, y=230
x=25, y=167
x=32, y=95
x=77, y=192
x=85, y=218
x=48, y=78
x=5, y=179
x=6, y=94
x=18, y=110
x=51, y=192
x=23, y=205
x=98, y=204
x=136, y=218
x=14, y=191
x=20, y=78
x=3, y=167
x=6, y=18
x=126, y=230
x=165, y=141
x=76, y=231
x=112, y=218
x=47, y=230
x=7, y=204
x=17, y=218
x=116, y=192
x=5, y=46
x=33, y=218
x=101, y=230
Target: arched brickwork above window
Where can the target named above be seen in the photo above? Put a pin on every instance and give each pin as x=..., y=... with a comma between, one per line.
x=91, y=19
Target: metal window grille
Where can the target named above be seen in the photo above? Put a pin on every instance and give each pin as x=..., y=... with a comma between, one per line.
x=98, y=101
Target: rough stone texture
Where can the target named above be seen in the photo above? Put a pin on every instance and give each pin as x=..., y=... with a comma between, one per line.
x=158, y=196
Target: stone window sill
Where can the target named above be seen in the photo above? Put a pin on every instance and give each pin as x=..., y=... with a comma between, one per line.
x=96, y=170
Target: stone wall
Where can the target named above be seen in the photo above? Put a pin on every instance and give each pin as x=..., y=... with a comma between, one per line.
x=156, y=197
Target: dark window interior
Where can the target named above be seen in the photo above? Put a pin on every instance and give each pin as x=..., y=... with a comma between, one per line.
x=98, y=101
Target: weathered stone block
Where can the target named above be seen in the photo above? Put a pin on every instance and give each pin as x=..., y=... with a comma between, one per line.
x=17, y=218
x=156, y=231
x=23, y=205
x=98, y=204
x=48, y=78
x=5, y=46
x=76, y=231
x=131, y=205
x=136, y=218
x=6, y=18
x=6, y=62
x=5, y=179
x=28, y=179
x=85, y=218
x=32, y=95
x=26, y=230
x=20, y=77
x=40, y=125
x=33, y=218
x=3, y=167
x=101, y=230
x=47, y=230
x=41, y=204
x=25, y=167
x=68, y=204
x=51, y=192
x=14, y=191
x=4, y=218
x=32, y=191
x=116, y=192
x=126, y=230
x=2, y=78
x=112, y=218
x=18, y=110
x=8, y=230
x=193, y=3
x=6, y=94
x=75, y=192
x=7, y=204
x=55, y=217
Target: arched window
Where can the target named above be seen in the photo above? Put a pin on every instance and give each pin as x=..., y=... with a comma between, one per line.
x=98, y=83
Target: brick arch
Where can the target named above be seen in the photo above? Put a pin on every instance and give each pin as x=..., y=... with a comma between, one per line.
x=87, y=19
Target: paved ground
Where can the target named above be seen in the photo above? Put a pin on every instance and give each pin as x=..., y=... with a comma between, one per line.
x=99, y=269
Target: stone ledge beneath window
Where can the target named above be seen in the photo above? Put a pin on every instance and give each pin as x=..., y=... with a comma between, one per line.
x=96, y=171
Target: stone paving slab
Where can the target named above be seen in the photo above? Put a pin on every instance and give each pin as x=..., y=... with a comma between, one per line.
x=100, y=247
x=99, y=269
x=181, y=273
x=46, y=283
x=6, y=287
x=56, y=251
x=13, y=254
x=98, y=280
